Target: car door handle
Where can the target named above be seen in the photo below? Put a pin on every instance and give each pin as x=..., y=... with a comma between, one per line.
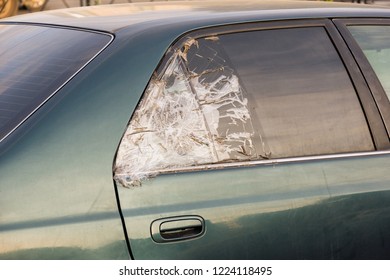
x=177, y=228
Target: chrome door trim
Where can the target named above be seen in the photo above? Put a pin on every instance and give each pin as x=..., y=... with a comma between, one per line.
x=255, y=163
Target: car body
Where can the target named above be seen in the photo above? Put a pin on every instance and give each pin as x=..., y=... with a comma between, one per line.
x=196, y=130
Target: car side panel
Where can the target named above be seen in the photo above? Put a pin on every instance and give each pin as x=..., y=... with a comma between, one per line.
x=331, y=209
x=57, y=194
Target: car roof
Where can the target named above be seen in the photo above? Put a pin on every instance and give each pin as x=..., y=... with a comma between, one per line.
x=193, y=14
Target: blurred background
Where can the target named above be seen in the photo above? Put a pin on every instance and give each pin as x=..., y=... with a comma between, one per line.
x=13, y=7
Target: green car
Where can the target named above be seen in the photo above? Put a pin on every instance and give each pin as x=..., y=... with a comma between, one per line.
x=196, y=130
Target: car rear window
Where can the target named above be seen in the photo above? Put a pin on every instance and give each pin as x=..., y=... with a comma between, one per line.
x=36, y=61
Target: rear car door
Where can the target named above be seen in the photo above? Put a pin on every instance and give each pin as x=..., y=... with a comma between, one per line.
x=256, y=141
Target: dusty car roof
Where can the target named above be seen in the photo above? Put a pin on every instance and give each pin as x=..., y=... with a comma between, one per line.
x=194, y=14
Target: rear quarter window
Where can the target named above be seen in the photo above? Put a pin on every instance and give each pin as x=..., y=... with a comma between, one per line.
x=35, y=61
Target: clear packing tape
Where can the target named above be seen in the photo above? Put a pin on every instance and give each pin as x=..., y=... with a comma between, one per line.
x=195, y=113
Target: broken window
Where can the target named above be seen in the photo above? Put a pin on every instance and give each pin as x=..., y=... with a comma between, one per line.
x=196, y=113
x=244, y=96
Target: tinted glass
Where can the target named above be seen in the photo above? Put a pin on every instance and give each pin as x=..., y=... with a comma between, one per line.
x=240, y=97
x=34, y=62
x=301, y=94
x=375, y=42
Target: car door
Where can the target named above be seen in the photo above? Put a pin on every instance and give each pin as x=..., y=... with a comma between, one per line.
x=256, y=141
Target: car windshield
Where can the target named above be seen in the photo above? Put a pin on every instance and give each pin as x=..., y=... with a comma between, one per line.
x=35, y=62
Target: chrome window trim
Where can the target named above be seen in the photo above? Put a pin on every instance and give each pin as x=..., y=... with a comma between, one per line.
x=273, y=162
x=63, y=84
